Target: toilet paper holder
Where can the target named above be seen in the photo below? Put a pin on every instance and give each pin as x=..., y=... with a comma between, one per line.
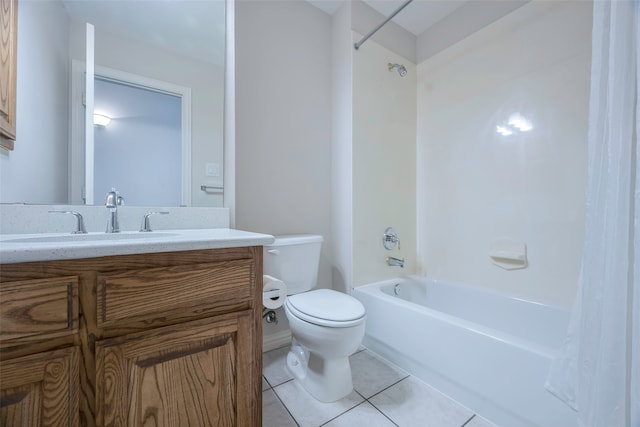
x=274, y=292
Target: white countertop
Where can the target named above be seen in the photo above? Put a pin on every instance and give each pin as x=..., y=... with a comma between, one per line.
x=16, y=248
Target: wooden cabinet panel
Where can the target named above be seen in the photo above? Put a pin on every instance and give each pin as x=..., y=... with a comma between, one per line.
x=38, y=309
x=8, y=71
x=166, y=339
x=183, y=375
x=151, y=293
x=40, y=390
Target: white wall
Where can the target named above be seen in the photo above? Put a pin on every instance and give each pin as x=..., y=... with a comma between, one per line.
x=475, y=185
x=283, y=122
x=341, y=149
x=140, y=151
x=384, y=165
x=373, y=158
x=36, y=171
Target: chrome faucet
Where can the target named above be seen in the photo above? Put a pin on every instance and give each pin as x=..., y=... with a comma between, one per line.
x=113, y=200
x=80, y=229
x=395, y=261
x=146, y=225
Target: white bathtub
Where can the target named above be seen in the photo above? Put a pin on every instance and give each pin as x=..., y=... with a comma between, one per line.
x=488, y=351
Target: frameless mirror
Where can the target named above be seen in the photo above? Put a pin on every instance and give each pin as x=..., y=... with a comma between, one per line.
x=159, y=70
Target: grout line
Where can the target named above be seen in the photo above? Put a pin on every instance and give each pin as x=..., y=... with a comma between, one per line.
x=276, y=385
x=383, y=414
x=469, y=420
x=388, y=387
x=359, y=351
x=342, y=413
x=268, y=383
x=364, y=349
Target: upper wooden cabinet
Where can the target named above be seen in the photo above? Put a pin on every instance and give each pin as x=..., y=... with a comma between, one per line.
x=8, y=71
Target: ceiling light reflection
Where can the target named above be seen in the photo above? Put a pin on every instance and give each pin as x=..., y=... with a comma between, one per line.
x=101, y=120
x=516, y=124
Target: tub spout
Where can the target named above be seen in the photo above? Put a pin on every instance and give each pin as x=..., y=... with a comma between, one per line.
x=395, y=261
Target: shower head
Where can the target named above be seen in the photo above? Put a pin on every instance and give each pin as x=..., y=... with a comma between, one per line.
x=401, y=68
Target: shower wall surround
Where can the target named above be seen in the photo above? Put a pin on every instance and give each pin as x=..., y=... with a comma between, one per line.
x=480, y=177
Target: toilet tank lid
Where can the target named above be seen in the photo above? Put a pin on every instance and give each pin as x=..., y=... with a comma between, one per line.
x=295, y=239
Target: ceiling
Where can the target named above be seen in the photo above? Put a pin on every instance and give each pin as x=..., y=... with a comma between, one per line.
x=415, y=18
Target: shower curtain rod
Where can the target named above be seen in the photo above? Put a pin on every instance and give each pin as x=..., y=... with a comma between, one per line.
x=372, y=32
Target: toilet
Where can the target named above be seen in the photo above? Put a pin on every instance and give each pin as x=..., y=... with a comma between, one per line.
x=327, y=326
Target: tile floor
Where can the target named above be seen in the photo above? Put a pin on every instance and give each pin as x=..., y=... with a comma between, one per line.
x=383, y=396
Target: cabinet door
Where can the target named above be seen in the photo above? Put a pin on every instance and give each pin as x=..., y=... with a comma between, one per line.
x=40, y=390
x=194, y=374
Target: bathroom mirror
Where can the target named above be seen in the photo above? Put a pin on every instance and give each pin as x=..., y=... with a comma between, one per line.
x=157, y=45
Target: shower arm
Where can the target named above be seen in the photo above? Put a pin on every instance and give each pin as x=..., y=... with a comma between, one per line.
x=372, y=32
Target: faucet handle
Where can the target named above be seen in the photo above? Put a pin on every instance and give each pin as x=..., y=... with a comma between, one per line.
x=113, y=199
x=390, y=239
x=146, y=224
x=80, y=229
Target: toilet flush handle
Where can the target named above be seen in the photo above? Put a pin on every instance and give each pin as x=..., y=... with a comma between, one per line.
x=273, y=252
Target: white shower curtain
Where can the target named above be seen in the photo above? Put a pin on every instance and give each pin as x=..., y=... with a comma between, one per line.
x=598, y=370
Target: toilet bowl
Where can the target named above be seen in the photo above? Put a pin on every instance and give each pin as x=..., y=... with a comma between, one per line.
x=327, y=326
x=325, y=342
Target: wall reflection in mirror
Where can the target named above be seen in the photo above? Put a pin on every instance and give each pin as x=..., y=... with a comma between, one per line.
x=175, y=43
x=141, y=141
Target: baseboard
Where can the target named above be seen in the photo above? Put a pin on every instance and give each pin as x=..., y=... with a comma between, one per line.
x=276, y=340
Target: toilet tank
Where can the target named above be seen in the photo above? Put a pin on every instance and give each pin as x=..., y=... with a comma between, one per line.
x=294, y=259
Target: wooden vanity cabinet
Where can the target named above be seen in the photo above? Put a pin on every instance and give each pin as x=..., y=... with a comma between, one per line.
x=39, y=384
x=169, y=339
x=8, y=71
x=40, y=389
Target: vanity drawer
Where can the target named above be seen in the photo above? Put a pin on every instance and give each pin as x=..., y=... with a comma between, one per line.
x=37, y=309
x=147, y=294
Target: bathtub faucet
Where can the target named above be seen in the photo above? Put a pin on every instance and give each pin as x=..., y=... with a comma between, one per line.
x=395, y=261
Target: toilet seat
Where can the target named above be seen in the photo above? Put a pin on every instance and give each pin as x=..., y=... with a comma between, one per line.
x=326, y=307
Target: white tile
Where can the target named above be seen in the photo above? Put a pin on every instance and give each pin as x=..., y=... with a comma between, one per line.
x=478, y=421
x=363, y=414
x=371, y=374
x=412, y=403
x=274, y=413
x=265, y=384
x=309, y=412
x=274, y=366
